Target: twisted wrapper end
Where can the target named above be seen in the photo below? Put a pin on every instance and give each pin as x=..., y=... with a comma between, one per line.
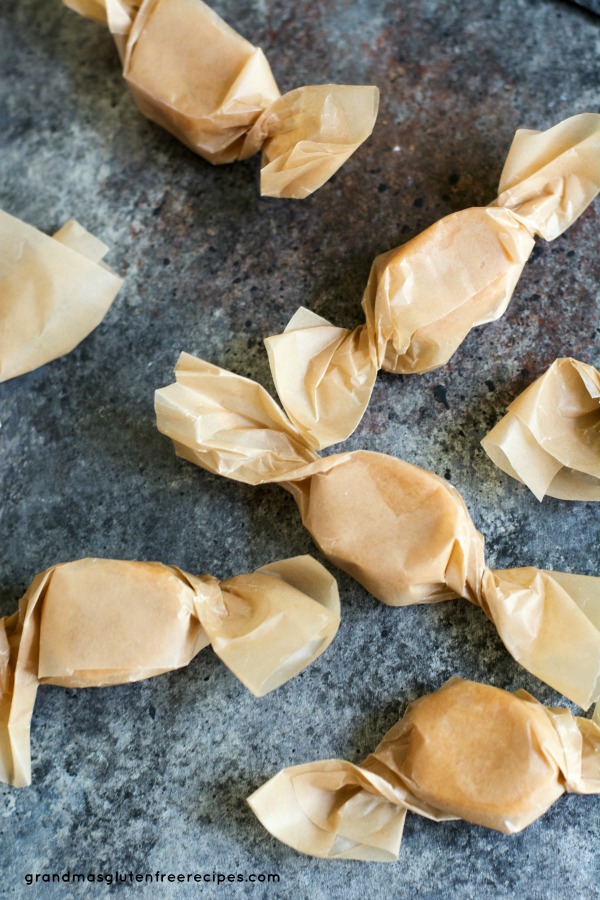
x=324, y=376
x=98, y=622
x=332, y=809
x=270, y=625
x=308, y=134
x=551, y=177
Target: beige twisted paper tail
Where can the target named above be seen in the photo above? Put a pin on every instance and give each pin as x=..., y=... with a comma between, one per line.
x=424, y=297
x=204, y=83
x=99, y=622
x=550, y=437
x=54, y=291
x=466, y=751
x=402, y=532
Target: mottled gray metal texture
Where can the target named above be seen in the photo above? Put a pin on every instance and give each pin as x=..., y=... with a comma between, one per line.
x=153, y=776
x=592, y=5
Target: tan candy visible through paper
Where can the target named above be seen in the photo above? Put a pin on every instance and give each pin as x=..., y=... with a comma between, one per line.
x=401, y=531
x=423, y=298
x=550, y=437
x=54, y=291
x=100, y=622
x=202, y=81
x=467, y=751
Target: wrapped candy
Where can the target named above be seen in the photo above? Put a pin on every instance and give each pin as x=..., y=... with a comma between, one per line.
x=401, y=531
x=423, y=298
x=195, y=76
x=55, y=291
x=98, y=622
x=550, y=437
x=468, y=751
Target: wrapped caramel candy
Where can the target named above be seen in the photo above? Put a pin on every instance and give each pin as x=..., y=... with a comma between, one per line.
x=550, y=437
x=195, y=76
x=423, y=298
x=468, y=751
x=54, y=291
x=401, y=531
x=99, y=622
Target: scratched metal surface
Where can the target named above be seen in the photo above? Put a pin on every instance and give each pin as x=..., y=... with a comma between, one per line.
x=153, y=776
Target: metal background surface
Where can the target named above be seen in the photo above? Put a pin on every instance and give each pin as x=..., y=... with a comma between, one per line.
x=153, y=776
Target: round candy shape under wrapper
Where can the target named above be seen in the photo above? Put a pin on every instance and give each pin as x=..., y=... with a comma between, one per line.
x=477, y=753
x=402, y=532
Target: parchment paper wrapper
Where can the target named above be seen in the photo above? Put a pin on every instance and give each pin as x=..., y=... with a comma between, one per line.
x=53, y=290
x=401, y=531
x=550, y=437
x=99, y=622
x=204, y=83
x=467, y=751
x=423, y=298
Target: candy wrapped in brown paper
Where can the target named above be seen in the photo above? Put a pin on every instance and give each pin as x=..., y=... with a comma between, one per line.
x=401, y=531
x=423, y=298
x=98, y=622
x=204, y=83
x=468, y=751
x=55, y=291
x=550, y=437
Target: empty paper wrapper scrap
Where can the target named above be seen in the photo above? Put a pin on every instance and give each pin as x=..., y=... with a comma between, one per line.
x=195, y=76
x=401, y=531
x=54, y=292
x=99, y=622
x=468, y=751
x=423, y=298
x=550, y=437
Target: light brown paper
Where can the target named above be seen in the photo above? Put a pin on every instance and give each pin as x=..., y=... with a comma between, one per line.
x=204, y=83
x=550, y=437
x=401, y=531
x=99, y=622
x=467, y=751
x=55, y=291
x=424, y=297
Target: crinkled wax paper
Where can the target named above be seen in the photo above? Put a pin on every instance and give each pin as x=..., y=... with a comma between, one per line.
x=401, y=531
x=550, y=437
x=195, y=76
x=468, y=751
x=423, y=298
x=98, y=622
x=54, y=292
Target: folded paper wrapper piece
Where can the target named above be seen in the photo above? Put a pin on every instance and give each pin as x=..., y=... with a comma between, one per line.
x=55, y=291
x=98, y=622
x=401, y=531
x=550, y=437
x=204, y=83
x=423, y=298
x=468, y=751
